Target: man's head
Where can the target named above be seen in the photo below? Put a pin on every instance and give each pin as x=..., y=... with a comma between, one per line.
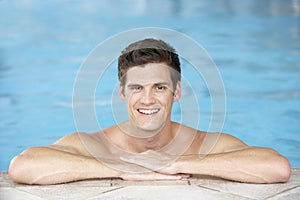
x=149, y=51
x=149, y=74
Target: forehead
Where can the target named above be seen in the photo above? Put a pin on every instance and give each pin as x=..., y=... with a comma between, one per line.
x=149, y=73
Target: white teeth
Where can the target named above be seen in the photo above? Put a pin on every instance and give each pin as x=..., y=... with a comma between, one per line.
x=148, y=112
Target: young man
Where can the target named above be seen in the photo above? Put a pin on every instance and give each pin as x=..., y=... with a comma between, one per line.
x=149, y=146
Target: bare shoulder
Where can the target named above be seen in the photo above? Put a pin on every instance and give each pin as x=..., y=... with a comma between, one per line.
x=73, y=139
x=223, y=142
x=73, y=143
x=88, y=144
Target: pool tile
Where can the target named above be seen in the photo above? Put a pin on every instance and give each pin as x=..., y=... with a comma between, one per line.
x=64, y=191
x=295, y=177
x=194, y=188
x=262, y=191
x=293, y=194
x=4, y=180
x=178, y=192
x=254, y=191
x=9, y=193
x=76, y=190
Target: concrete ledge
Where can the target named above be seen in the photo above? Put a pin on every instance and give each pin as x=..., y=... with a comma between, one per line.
x=200, y=187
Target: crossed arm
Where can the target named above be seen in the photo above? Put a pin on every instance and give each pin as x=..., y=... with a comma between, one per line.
x=252, y=165
x=62, y=162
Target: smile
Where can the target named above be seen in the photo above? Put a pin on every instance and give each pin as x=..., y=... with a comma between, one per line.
x=148, y=111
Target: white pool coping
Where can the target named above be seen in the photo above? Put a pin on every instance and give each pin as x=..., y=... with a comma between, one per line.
x=192, y=188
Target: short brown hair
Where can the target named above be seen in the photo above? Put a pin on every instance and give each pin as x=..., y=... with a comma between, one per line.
x=149, y=51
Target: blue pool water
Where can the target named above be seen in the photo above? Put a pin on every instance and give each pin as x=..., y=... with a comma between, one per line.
x=254, y=43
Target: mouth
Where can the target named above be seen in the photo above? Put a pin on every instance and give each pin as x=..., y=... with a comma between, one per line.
x=148, y=111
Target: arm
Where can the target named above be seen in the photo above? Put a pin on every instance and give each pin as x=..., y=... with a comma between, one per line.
x=234, y=160
x=64, y=161
x=252, y=164
x=229, y=159
x=68, y=160
x=47, y=165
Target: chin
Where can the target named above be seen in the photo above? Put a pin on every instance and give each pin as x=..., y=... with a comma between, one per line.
x=151, y=127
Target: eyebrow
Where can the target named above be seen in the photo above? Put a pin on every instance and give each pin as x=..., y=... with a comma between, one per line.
x=159, y=83
x=133, y=85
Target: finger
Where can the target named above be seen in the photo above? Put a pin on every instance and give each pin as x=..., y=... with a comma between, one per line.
x=183, y=176
x=159, y=176
x=150, y=177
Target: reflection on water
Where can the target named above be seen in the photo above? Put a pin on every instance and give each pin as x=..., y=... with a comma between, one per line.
x=255, y=44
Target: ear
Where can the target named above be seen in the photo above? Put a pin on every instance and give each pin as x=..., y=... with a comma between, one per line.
x=177, y=93
x=121, y=91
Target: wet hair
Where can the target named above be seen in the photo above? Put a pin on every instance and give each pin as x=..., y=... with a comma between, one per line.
x=149, y=51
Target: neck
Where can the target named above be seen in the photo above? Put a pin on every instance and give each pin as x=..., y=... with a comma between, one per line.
x=148, y=140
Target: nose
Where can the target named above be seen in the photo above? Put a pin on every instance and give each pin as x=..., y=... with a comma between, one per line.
x=147, y=97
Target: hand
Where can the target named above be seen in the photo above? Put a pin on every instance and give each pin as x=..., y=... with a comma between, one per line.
x=151, y=176
x=149, y=165
x=153, y=160
x=134, y=172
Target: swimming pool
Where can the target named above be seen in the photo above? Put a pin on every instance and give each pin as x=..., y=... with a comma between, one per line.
x=255, y=45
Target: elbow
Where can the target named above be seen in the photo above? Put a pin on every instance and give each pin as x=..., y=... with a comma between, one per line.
x=14, y=171
x=278, y=168
x=274, y=168
x=283, y=169
x=18, y=170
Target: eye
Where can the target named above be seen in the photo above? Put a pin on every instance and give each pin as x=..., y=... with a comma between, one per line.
x=135, y=88
x=160, y=88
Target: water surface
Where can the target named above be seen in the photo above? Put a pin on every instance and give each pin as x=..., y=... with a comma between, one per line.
x=255, y=45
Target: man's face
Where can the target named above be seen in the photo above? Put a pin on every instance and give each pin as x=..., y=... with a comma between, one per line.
x=149, y=95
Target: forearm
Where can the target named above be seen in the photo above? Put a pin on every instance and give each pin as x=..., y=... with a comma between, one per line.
x=255, y=165
x=50, y=166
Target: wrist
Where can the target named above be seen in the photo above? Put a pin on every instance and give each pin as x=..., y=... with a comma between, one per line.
x=107, y=171
x=187, y=164
x=180, y=165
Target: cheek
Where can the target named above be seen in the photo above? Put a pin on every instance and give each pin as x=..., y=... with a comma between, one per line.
x=131, y=99
x=166, y=100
